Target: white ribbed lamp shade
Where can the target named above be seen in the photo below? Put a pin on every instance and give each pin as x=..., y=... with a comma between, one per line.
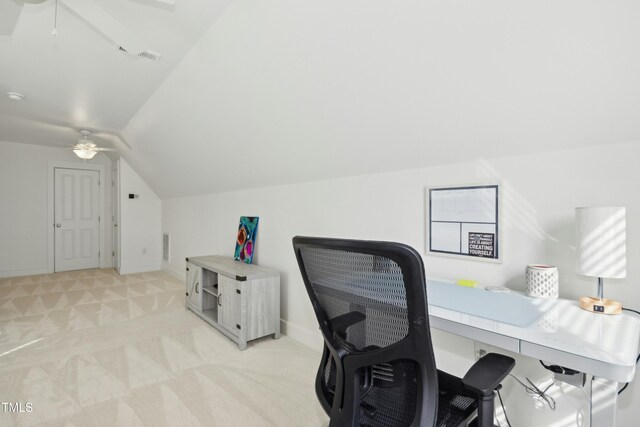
x=601, y=242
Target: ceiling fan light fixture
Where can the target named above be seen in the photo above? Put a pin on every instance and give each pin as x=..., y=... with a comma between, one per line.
x=85, y=154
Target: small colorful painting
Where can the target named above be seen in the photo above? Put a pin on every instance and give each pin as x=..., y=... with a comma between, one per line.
x=246, y=241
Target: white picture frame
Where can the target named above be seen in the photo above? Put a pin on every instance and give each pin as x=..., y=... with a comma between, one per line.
x=464, y=221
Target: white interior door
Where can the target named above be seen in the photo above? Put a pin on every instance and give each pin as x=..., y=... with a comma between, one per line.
x=77, y=219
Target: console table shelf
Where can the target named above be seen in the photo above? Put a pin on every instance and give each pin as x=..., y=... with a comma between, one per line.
x=213, y=290
x=240, y=300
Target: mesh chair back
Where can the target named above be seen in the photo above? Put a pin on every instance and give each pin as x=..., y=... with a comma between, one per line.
x=370, y=301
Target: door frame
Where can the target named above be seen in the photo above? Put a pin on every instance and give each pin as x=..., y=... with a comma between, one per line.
x=115, y=216
x=104, y=218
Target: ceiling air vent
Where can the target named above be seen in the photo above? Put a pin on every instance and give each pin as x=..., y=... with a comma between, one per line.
x=145, y=54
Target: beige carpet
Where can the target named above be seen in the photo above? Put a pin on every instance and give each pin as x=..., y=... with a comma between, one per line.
x=93, y=348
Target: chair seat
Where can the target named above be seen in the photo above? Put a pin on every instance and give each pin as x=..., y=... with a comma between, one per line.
x=394, y=406
x=455, y=402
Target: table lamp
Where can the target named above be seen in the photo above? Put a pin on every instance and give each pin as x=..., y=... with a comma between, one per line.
x=602, y=252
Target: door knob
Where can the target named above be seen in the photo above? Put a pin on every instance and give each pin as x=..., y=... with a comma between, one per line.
x=58, y=225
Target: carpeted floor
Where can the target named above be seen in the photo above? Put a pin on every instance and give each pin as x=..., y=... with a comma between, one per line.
x=93, y=348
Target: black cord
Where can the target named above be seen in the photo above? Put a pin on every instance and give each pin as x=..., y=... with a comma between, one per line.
x=503, y=410
x=627, y=384
x=534, y=390
x=559, y=369
x=623, y=387
x=629, y=309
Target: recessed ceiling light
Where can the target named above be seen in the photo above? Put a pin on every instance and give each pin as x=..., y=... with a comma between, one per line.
x=15, y=96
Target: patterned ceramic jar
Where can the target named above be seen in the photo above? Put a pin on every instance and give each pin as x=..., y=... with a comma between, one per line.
x=542, y=281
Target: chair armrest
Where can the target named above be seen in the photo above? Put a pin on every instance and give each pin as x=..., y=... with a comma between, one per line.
x=340, y=323
x=487, y=373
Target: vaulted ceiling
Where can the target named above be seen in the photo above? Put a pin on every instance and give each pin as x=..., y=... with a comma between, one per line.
x=275, y=92
x=78, y=79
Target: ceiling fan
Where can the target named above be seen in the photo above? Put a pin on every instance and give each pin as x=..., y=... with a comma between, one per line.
x=124, y=39
x=85, y=148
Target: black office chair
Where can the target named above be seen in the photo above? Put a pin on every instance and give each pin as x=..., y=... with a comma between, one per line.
x=378, y=368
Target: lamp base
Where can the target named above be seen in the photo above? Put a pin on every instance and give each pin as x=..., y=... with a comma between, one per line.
x=600, y=306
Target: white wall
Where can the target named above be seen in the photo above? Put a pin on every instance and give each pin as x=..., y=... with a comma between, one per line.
x=307, y=87
x=25, y=240
x=140, y=236
x=540, y=193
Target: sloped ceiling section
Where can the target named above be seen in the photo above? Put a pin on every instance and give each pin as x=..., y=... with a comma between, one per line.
x=279, y=92
x=77, y=79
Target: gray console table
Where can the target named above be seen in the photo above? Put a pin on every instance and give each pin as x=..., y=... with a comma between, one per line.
x=240, y=300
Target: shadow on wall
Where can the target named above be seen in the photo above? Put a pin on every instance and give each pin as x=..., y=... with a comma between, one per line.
x=517, y=212
x=284, y=300
x=559, y=252
x=555, y=242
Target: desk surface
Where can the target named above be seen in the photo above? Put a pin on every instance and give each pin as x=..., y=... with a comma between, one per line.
x=513, y=308
x=602, y=345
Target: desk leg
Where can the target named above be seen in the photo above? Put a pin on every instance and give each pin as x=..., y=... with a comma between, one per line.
x=604, y=402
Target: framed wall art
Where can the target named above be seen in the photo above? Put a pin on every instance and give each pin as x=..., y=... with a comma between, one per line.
x=246, y=240
x=464, y=221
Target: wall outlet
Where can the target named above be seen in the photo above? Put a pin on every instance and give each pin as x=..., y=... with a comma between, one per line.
x=480, y=349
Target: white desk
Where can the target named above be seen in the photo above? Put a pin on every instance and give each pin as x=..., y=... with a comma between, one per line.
x=600, y=345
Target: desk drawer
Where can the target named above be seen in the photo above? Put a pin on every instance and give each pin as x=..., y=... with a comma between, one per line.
x=580, y=363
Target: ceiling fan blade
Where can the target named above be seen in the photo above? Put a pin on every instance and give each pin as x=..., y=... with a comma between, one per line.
x=111, y=136
x=107, y=25
x=63, y=144
x=9, y=14
x=104, y=149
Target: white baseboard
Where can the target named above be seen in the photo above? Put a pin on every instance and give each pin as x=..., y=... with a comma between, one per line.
x=311, y=339
x=174, y=273
x=140, y=269
x=29, y=272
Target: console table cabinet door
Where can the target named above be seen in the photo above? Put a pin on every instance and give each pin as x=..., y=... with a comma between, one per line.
x=230, y=304
x=194, y=286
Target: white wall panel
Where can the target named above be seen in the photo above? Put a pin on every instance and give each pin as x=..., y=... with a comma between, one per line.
x=140, y=224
